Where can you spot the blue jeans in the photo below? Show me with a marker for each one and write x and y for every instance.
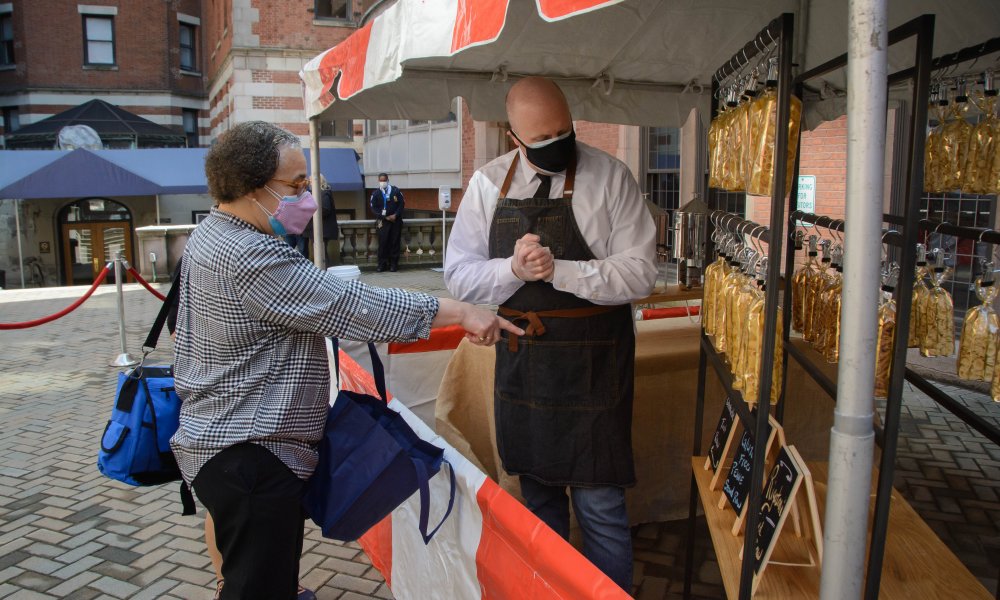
(600, 511)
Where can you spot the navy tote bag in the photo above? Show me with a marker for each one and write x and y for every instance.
(370, 462)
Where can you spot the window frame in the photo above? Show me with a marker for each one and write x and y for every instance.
(11, 59)
(348, 13)
(193, 67)
(9, 114)
(86, 41)
(196, 134)
(348, 136)
(649, 172)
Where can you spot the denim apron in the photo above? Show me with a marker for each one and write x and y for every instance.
(563, 392)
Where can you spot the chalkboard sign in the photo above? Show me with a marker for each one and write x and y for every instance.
(723, 431)
(776, 502)
(737, 485)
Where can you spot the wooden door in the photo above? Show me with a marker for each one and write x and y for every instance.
(87, 247)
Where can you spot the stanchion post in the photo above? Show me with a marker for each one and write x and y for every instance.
(123, 359)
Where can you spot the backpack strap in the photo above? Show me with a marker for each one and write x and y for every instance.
(161, 317)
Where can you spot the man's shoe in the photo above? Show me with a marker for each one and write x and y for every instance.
(394, 269)
(380, 269)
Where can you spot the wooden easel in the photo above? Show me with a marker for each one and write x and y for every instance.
(725, 453)
(816, 531)
(776, 429)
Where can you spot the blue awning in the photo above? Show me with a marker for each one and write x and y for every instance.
(142, 172)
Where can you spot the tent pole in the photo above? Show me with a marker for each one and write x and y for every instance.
(157, 209)
(852, 437)
(319, 244)
(17, 226)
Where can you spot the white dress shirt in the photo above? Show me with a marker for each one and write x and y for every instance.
(609, 211)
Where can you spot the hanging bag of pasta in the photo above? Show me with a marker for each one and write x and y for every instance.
(956, 135)
(939, 323)
(814, 285)
(933, 151)
(977, 346)
(713, 277)
(886, 332)
(983, 142)
(735, 180)
(765, 110)
(729, 285)
(799, 287)
(828, 343)
(737, 330)
(920, 294)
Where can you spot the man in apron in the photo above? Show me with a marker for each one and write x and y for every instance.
(556, 234)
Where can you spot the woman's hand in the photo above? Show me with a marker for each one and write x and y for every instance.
(482, 327)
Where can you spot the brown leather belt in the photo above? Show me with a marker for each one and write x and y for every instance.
(534, 322)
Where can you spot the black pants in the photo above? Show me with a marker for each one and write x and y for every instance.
(389, 238)
(256, 503)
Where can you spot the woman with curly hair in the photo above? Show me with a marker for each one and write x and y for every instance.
(250, 360)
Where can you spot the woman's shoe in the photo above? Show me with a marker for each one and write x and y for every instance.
(305, 594)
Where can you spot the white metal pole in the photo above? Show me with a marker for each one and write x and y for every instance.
(17, 226)
(319, 244)
(444, 235)
(157, 209)
(123, 359)
(852, 437)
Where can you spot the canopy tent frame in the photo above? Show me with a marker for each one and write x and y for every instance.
(864, 160)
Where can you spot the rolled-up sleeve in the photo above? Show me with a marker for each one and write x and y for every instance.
(470, 274)
(625, 270)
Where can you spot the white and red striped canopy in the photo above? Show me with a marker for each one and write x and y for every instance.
(644, 62)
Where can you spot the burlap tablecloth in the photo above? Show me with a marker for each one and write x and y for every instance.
(666, 380)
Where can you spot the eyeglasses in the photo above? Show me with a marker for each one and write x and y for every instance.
(298, 184)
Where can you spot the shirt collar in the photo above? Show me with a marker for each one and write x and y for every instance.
(231, 218)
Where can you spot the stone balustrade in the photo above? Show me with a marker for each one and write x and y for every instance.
(421, 242)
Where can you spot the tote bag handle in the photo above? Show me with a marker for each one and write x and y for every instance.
(378, 371)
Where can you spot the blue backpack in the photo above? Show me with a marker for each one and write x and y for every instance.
(135, 445)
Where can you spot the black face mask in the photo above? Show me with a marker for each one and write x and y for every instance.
(552, 155)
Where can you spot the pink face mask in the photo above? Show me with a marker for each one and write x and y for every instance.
(293, 212)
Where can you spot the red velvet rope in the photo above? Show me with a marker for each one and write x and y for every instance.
(26, 324)
(145, 284)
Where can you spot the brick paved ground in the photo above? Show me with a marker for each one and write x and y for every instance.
(68, 532)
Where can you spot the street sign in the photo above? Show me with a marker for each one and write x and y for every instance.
(444, 197)
(807, 193)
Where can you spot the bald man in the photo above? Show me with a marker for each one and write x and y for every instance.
(556, 234)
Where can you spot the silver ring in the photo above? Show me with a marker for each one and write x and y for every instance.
(482, 339)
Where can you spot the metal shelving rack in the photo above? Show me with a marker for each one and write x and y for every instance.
(780, 31)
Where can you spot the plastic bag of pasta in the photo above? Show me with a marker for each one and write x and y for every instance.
(728, 287)
(736, 342)
(814, 285)
(977, 346)
(765, 111)
(714, 147)
(735, 176)
(886, 332)
(956, 134)
(754, 353)
(982, 149)
(920, 294)
(828, 340)
(713, 277)
(938, 315)
(799, 279)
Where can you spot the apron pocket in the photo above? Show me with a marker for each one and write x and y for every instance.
(559, 375)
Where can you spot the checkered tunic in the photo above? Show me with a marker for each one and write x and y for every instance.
(250, 360)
